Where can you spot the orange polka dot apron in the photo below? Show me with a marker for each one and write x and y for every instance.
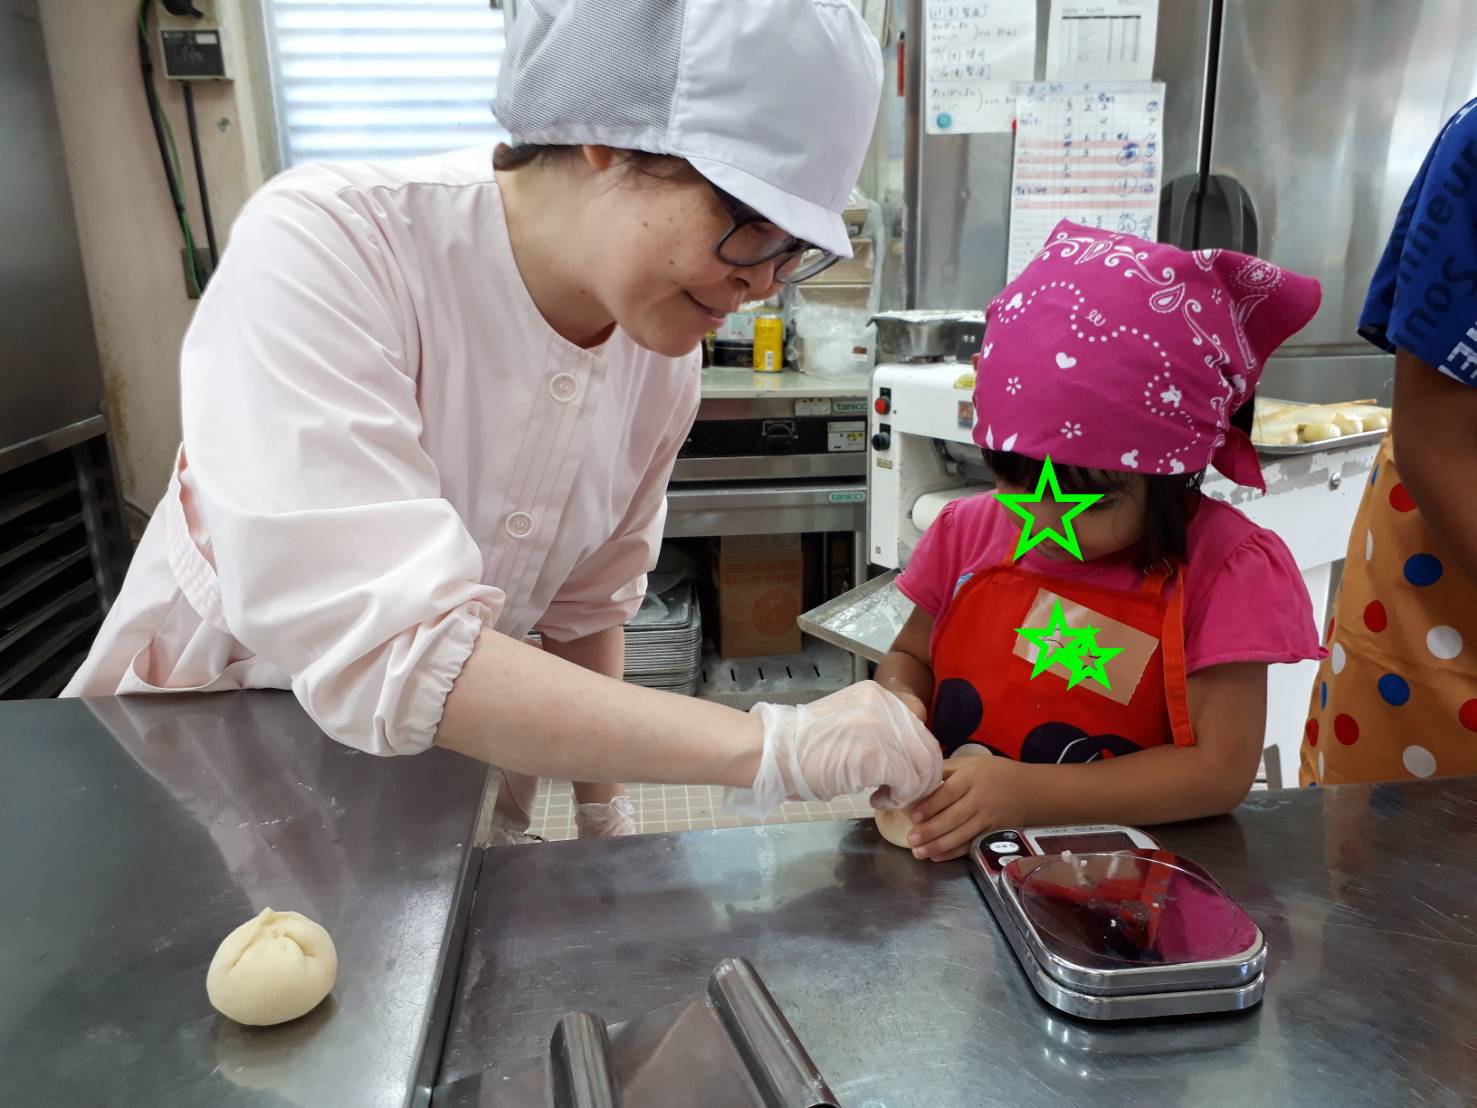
(984, 692)
(1397, 696)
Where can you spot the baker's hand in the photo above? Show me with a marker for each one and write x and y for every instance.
(857, 739)
(978, 795)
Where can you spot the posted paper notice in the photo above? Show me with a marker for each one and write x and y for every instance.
(974, 53)
(1104, 40)
(1085, 152)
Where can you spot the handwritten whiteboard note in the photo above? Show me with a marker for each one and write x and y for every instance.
(1085, 152)
(1101, 40)
(975, 52)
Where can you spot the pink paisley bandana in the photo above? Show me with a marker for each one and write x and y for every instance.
(1117, 353)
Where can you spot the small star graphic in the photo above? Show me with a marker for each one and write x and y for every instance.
(1099, 656)
(1052, 641)
(1065, 538)
(1076, 650)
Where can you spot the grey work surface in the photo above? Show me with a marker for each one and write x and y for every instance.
(135, 833)
(904, 992)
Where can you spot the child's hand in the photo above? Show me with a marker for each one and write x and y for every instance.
(977, 796)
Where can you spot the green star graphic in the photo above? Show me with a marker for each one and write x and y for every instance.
(1065, 538)
(1078, 652)
(1099, 655)
(1047, 651)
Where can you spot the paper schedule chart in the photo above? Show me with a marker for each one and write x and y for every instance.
(1101, 40)
(1085, 152)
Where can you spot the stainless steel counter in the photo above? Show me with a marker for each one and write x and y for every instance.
(904, 992)
(135, 834)
(736, 383)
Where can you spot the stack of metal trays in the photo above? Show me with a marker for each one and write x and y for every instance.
(664, 641)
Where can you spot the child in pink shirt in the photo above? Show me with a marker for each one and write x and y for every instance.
(1115, 610)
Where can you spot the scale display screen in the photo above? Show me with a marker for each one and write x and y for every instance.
(1100, 841)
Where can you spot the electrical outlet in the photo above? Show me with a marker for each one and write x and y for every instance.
(191, 42)
(193, 55)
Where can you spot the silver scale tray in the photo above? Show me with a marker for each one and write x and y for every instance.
(1128, 934)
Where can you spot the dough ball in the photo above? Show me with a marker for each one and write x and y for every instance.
(272, 969)
(1318, 432)
(895, 826)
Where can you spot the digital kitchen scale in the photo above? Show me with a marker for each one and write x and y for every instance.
(1109, 925)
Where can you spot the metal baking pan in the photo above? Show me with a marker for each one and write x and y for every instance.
(1340, 443)
(923, 333)
(1343, 442)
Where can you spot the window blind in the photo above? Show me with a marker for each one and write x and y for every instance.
(371, 79)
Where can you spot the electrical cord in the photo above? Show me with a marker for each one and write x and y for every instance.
(168, 154)
(189, 91)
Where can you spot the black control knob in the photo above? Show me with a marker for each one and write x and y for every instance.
(881, 440)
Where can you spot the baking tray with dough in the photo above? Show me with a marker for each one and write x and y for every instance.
(1288, 427)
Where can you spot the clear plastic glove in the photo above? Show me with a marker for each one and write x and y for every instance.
(605, 821)
(857, 739)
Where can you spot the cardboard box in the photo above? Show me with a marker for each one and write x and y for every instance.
(761, 586)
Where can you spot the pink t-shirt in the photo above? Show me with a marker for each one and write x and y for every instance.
(1244, 601)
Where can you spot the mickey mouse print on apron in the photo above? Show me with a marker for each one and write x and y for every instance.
(984, 691)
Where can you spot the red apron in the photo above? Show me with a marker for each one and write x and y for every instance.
(984, 692)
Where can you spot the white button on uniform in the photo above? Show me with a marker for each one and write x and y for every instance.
(564, 387)
(520, 524)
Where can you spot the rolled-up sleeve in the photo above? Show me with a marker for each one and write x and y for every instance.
(606, 588)
(338, 558)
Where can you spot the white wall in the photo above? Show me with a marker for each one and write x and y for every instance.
(130, 239)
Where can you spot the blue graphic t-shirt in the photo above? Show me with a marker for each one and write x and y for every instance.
(1423, 297)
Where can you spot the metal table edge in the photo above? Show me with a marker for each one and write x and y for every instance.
(437, 1026)
(20, 453)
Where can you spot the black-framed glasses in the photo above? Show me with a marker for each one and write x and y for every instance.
(753, 240)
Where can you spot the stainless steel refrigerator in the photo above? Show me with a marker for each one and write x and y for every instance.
(63, 546)
(1291, 130)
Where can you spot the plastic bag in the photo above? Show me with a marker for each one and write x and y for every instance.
(835, 342)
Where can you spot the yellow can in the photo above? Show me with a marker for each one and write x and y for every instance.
(769, 344)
